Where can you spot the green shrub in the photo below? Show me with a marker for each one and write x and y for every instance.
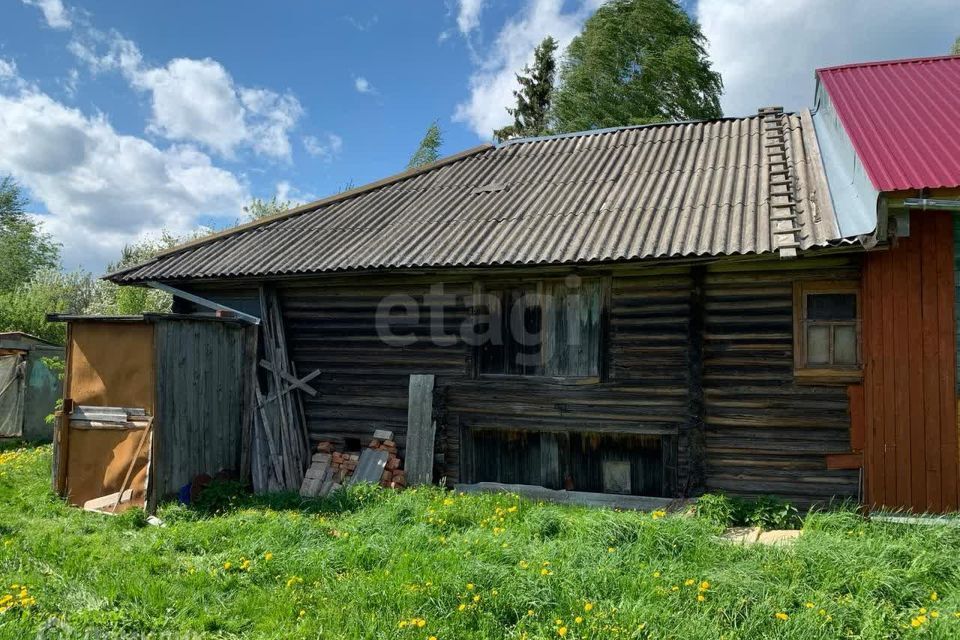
(766, 512)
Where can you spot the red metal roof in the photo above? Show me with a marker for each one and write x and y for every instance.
(903, 117)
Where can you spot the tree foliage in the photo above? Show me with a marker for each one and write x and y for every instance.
(955, 49)
(261, 208)
(24, 248)
(636, 62)
(25, 308)
(429, 149)
(532, 113)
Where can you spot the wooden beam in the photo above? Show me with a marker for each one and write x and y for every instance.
(421, 430)
(297, 383)
(608, 500)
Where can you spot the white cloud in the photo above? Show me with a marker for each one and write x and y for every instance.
(493, 82)
(767, 50)
(325, 147)
(103, 189)
(8, 69)
(468, 15)
(53, 12)
(363, 85)
(198, 100)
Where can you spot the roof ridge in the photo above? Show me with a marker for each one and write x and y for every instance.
(889, 63)
(629, 127)
(308, 207)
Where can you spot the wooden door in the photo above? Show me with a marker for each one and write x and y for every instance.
(909, 347)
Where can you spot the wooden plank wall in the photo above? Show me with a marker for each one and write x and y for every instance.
(766, 433)
(197, 429)
(909, 374)
(744, 429)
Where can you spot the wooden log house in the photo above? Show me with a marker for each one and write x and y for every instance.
(658, 310)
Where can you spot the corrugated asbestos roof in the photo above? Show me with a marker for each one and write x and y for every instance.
(903, 118)
(685, 189)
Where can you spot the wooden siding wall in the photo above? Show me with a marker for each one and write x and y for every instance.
(909, 375)
(701, 356)
(765, 433)
(200, 373)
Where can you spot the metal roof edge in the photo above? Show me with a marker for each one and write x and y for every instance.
(307, 208)
(885, 63)
(850, 189)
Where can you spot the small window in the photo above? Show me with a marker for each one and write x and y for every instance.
(543, 328)
(827, 329)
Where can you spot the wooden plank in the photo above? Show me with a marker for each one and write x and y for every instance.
(931, 362)
(420, 430)
(298, 383)
(532, 492)
(911, 298)
(943, 234)
(855, 399)
(109, 500)
(900, 392)
(844, 461)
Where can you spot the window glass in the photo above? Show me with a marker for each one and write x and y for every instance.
(845, 344)
(831, 306)
(818, 345)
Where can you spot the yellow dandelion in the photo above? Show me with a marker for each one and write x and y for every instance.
(531, 613)
(562, 631)
(476, 598)
(809, 605)
(302, 613)
(934, 614)
(402, 624)
(780, 615)
(421, 623)
(461, 607)
(688, 582)
(432, 638)
(268, 556)
(704, 585)
(524, 564)
(227, 565)
(656, 574)
(934, 596)
(701, 597)
(588, 606)
(471, 586)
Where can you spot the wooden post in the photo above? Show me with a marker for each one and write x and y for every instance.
(421, 431)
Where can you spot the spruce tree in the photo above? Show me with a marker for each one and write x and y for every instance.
(532, 113)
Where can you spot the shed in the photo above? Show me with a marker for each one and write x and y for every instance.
(150, 403)
(28, 387)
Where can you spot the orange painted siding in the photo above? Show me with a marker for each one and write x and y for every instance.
(909, 347)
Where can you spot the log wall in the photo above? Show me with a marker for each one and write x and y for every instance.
(701, 356)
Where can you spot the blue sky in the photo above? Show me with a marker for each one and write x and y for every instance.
(123, 119)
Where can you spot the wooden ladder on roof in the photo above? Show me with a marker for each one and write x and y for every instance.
(786, 228)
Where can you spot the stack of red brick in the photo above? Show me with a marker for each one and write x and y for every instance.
(393, 474)
(332, 469)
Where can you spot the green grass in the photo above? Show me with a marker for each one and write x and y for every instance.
(367, 563)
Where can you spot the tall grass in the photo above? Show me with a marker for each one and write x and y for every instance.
(428, 563)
